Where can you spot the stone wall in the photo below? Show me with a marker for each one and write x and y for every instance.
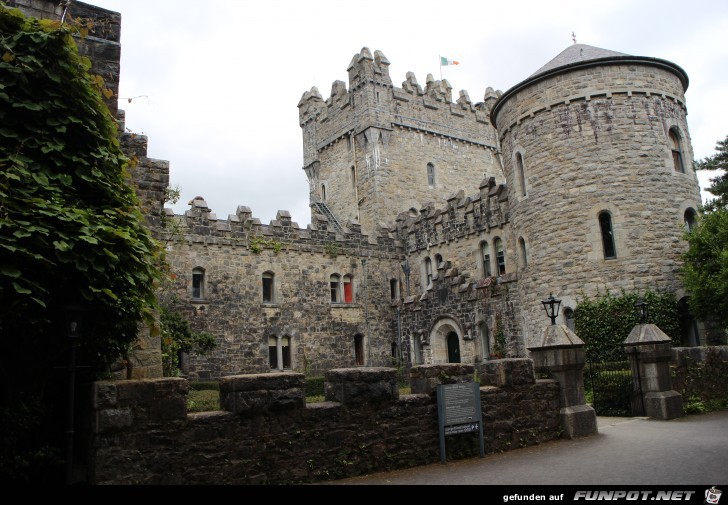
(699, 374)
(235, 253)
(142, 433)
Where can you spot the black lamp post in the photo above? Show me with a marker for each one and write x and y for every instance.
(551, 306)
(74, 320)
(642, 311)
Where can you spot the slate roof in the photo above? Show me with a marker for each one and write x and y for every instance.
(574, 54)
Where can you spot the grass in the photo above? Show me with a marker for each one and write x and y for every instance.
(205, 396)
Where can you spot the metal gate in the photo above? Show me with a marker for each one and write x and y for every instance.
(609, 385)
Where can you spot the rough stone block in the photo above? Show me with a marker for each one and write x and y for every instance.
(258, 393)
(664, 405)
(578, 421)
(351, 386)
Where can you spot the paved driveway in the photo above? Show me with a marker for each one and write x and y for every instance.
(691, 450)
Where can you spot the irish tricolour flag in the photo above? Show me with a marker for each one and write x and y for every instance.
(447, 61)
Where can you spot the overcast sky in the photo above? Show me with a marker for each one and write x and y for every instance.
(215, 85)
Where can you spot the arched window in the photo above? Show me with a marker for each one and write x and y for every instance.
(500, 255)
(335, 283)
(569, 318)
(431, 175)
(691, 219)
(677, 157)
(348, 289)
(323, 193)
(268, 293)
(198, 284)
(485, 255)
(428, 271)
(524, 257)
(605, 223)
(521, 173)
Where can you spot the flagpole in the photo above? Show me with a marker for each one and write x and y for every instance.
(440, 57)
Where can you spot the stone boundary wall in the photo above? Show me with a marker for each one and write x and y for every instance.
(699, 373)
(142, 433)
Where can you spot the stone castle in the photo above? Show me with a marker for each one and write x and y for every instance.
(439, 226)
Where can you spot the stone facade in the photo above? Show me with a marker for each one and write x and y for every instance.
(442, 224)
(457, 274)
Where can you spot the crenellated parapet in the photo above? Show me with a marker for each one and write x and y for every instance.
(461, 217)
(430, 110)
(200, 224)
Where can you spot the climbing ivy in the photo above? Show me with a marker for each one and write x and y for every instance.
(258, 243)
(605, 321)
(70, 226)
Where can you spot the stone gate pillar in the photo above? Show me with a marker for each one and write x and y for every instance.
(650, 350)
(562, 353)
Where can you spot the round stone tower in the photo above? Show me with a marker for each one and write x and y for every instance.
(599, 166)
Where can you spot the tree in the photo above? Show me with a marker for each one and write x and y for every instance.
(70, 227)
(705, 266)
(719, 183)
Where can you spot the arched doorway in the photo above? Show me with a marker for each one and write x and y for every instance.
(453, 348)
(445, 341)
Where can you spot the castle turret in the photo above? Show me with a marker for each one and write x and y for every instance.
(376, 150)
(598, 161)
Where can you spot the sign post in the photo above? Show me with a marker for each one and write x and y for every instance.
(459, 412)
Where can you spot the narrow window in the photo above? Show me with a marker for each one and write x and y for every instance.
(524, 258)
(335, 298)
(286, 352)
(198, 284)
(690, 219)
(348, 289)
(605, 223)
(485, 254)
(569, 318)
(359, 350)
(273, 352)
(353, 177)
(521, 173)
(438, 261)
(428, 271)
(500, 256)
(394, 289)
(377, 96)
(677, 157)
(484, 340)
(323, 193)
(431, 175)
(268, 278)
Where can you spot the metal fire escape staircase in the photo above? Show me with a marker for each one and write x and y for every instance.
(322, 208)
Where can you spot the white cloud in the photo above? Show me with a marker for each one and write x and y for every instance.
(223, 77)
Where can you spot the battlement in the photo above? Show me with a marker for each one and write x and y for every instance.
(372, 100)
(462, 216)
(200, 224)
